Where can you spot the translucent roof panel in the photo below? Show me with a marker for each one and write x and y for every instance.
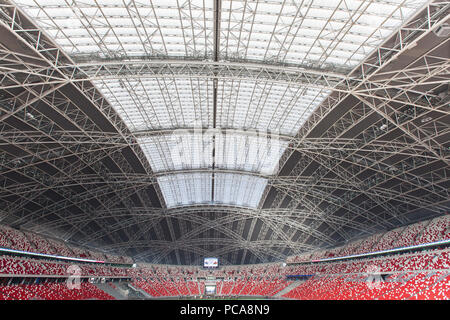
(238, 189)
(269, 106)
(163, 103)
(249, 153)
(318, 32)
(195, 188)
(127, 28)
(186, 189)
(257, 153)
(177, 151)
(157, 103)
(323, 34)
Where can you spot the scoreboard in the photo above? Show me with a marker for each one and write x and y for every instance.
(211, 262)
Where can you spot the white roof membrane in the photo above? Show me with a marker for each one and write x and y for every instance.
(324, 34)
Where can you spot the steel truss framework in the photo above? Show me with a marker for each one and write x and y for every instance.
(373, 155)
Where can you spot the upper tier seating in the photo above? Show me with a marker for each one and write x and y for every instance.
(437, 229)
(25, 266)
(16, 239)
(31, 242)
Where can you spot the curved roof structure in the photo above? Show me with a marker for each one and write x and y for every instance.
(248, 130)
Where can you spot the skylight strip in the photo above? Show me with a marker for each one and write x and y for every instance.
(186, 189)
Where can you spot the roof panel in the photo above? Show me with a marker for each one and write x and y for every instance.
(177, 151)
(195, 188)
(157, 103)
(233, 151)
(259, 154)
(238, 189)
(114, 27)
(324, 34)
(266, 106)
(275, 30)
(186, 189)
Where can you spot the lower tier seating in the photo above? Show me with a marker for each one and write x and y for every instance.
(169, 288)
(52, 291)
(424, 275)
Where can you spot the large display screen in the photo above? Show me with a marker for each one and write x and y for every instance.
(211, 262)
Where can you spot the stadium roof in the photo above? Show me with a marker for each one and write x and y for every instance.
(248, 130)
